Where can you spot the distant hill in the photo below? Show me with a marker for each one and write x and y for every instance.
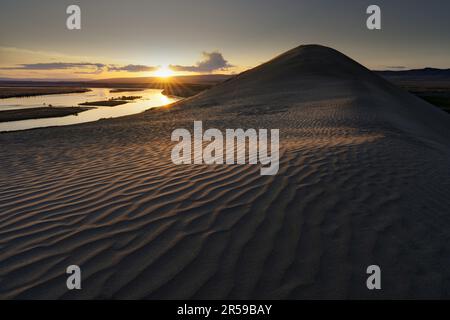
(424, 72)
(417, 75)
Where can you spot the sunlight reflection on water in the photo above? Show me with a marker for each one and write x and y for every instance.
(150, 98)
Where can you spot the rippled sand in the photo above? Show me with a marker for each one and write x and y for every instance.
(364, 179)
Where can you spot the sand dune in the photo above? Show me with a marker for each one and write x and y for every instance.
(364, 179)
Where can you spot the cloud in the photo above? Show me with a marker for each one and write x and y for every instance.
(396, 67)
(212, 61)
(133, 68)
(57, 66)
(93, 68)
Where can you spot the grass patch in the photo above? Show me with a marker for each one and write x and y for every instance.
(442, 102)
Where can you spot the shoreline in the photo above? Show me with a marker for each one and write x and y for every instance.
(55, 112)
(25, 92)
(39, 113)
(183, 90)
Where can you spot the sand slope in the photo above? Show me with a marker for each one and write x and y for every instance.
(364, 179)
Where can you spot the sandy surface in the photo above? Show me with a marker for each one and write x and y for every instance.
(364, 179)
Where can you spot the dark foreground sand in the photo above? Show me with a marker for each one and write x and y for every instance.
(364, 179)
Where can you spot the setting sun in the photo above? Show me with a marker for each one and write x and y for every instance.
(164, 72)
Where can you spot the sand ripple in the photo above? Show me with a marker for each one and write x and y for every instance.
(356, 186)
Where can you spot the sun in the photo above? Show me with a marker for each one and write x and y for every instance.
(164, 72)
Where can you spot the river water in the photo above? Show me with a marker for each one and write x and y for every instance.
(150, 98)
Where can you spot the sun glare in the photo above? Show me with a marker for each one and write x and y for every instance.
(164, 72)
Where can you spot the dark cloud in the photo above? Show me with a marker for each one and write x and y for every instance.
(212, 61)
(57, 66)
(133, 68)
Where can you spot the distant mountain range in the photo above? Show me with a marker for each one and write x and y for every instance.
(432, 74)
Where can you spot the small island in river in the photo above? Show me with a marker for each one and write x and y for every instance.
(111, 102)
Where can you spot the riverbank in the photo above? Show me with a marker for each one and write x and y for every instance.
(19, 92)
(39, 113)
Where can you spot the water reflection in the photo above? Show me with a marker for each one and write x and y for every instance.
(150, 98)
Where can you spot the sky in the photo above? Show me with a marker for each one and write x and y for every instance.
(136, 38)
